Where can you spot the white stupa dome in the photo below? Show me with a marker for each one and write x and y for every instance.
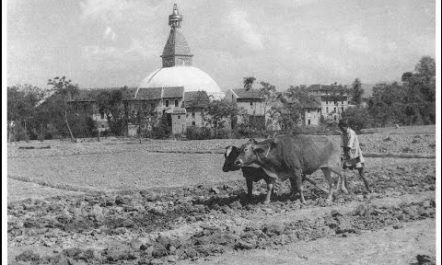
(189, 77)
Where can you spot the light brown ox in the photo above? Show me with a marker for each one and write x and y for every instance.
(293, 156)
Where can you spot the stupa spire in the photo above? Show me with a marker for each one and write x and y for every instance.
(175, 18)
(176, 51)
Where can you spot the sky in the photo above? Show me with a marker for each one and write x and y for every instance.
(112, 43)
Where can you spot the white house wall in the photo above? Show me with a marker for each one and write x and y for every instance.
(313, 115)
(252, 108)
(197, 118)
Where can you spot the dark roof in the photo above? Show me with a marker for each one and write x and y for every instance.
(312, 103)
(149, 93)
(176, 45)
(318, 87)
(196, 99)
(334, 98)
(88, 94)
(248, 94)
(128, 93)
(173, 92)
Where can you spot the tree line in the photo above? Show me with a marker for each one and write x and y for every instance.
(36, 113)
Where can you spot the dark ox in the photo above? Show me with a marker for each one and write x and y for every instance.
(293, 156)
(251, 174)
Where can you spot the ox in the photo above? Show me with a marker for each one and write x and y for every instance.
(252, 173)
(292, 157)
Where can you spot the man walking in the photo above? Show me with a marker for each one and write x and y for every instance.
(352, 158)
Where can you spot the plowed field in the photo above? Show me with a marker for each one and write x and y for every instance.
(142, 206)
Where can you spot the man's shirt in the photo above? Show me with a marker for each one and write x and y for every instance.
(350, 140)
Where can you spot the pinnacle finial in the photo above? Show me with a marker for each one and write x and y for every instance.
(175, 18)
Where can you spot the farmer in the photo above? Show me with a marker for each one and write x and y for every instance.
(352, 157)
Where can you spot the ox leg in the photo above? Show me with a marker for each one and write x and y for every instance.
(270, 185)
(249, 183)
(297, 175)
(293, 186)
(331, 189)
(362, 175)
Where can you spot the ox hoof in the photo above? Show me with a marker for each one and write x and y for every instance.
(329, 200)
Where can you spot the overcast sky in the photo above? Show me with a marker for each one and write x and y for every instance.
(102, 43)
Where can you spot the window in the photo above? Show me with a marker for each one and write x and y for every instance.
(326, 102)
(176, 102)
(342, 108)
(193, 123)
(193, 115)
(167, 103)
(308, 121)
(326, 109)
(102, 125)
(179, 117)
(251, 104)
(334, 109)
(152, 106)
(102, 115)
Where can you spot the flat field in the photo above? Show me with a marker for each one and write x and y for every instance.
(119, 201)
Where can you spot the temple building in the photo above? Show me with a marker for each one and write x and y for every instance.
(177, 91)
(177, 69)
(180, 80)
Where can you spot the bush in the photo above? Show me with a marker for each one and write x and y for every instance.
(223, 134)
(243, 131)
(358, 118)
(162, 130)
(196, 133)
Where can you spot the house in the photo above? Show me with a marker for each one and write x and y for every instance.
(334, 99)
(311, 112)
(252, 104)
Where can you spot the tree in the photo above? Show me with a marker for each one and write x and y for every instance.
(248, 82)
(358, 118)
(294, 101)
(421, 91)
(268, 91)
(386, 104)
(143, 115)
(111, 104)
(218, 111)
(426, 68)
(21, 102)
(66, 89)
(356, 92)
